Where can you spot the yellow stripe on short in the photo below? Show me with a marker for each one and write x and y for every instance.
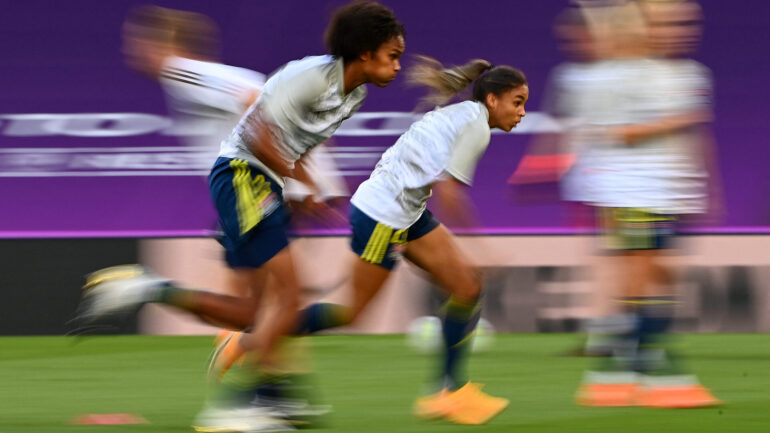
(244, 197)
(377, 244)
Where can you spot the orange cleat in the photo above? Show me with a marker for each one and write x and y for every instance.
(468, 405)
(676, 396)
(433, 406)
(227, 352)
(607, 394)
(474, 407)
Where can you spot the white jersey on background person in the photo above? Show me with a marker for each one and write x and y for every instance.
(305, 100)
(207, 99)
(663, 174)
(570, 96)
(446, 141)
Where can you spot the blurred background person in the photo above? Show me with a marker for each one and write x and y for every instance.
(180, 50)
(572, 99)
(645, 173)
(550, 156)
(206, 99)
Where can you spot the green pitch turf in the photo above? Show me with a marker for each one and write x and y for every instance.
(371, 382)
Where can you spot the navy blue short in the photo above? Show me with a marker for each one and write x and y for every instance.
(383, 245)
(637, 229)
(251, 212)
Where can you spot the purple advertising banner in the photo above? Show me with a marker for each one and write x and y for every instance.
(87, 148)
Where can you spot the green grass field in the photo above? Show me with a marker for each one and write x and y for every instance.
(371, 382)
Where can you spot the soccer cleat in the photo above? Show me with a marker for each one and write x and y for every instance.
(297, 412)
(433, 406)
(238, 420)
(117, 290)
(474, 407)
(290, 399)
(676, 396)
(607, 394)
(227, 352)
(468, 405)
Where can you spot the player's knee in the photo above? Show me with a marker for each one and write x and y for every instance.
(470, 289)
(471, 294)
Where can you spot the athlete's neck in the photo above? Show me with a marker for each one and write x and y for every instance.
(352, 76)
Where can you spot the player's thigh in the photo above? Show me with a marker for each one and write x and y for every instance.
(368, 278)
(646, 273)
(246, 281)
(283, 282)
(438, 253)
(377, 248)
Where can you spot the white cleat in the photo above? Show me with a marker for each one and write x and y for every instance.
(238, 420)
(292, 408)
(118, 290)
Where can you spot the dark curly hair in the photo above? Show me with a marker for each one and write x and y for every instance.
(361, 27)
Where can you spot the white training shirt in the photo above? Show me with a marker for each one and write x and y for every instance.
(206, 99)
(447, 140)
(307, 103)
(664, 174)
(571, 96)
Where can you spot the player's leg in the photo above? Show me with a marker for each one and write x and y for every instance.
(646, 298)
(249, 205)
(377, 248)
(285, 389)
(286, 292)
(245, 283)
(118, 290)
(251, 364)
(432, 247)
(367, 280)
(234, 311)
(259, 346)
(254, 222)
(664, 381)
(437, 254)
(613, 381)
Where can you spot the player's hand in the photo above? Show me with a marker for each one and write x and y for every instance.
(322, 211)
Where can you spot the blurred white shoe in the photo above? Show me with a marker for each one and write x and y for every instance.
(296, 411)
(241, 420)
(118, 290)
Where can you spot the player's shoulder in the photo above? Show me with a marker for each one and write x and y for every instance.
(209, 74)
(318, 67)
(471, 117)
(314, 75)
(470, 110)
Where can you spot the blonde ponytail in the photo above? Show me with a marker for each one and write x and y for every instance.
(445, 83)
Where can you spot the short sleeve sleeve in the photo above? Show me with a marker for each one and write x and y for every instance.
(468, 148)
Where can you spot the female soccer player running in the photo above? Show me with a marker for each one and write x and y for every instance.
(648, 175)
(299, 107)
(389, 219)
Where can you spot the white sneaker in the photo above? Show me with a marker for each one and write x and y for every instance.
(117, 290)
(240, 420)
(292, 408)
